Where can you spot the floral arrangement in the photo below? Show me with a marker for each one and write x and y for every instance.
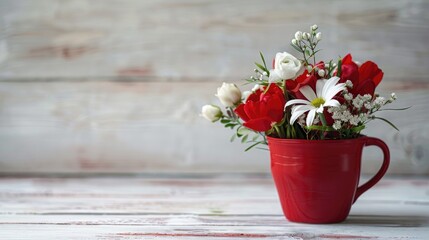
(302, 98)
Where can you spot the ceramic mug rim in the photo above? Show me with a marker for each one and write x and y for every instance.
(306, 141)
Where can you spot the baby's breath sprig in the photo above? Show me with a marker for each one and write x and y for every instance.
(306, 43)
(261, 73)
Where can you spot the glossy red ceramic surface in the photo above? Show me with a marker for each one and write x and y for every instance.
(317, 180)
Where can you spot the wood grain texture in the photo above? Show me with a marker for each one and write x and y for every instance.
(117, 86)
(202, 38)
(226, 207)
(110, 126)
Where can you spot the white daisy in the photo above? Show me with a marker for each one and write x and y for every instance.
(325, 91)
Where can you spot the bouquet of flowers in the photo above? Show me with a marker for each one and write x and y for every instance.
(302, 98)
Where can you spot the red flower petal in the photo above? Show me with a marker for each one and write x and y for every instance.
(259, 124)
(366, 87)
(241, 113)
(370, 70)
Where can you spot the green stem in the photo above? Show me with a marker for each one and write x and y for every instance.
(322, 118)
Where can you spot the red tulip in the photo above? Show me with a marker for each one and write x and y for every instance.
(262, 109)
(364, 78)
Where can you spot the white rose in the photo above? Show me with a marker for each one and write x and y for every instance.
(286, 66)
(229, 94)
(211, 113)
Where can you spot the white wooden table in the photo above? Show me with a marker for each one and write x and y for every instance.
(195, 207)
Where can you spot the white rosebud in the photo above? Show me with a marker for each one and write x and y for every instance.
(286, 66)
(229, 94)
(294, 42)
(321, 72)
(211, 113)
(319, 36)
(309, 68)
(314, 27)
(393, 96)
(265, 73)
(298, 36)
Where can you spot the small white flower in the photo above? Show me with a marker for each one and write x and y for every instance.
(256, 87)
(316, 102)
(349, 84)
(354, 120)
(286, 66)
(393, 96)
(319, 36)
(337, 125)
(298, 36)
(348, 96)
(380, 101)
(321, 72)
(314, 27)
(229, 94)
(265, 73)
(367, 105)
(211, 112)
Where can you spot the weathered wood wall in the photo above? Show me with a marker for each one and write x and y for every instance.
(117, 85)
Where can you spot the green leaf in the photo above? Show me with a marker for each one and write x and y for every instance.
(388, 122)
(230, 125)
(255, 137)
(398, 109)
(232, 138)
(358, 129)
(339, 68)
(261, 67)
(320, 128)
(251, 146)
(296, 48)
(263, 60)
(243, 140)
(243, 131)
(225, 121)
(314, 53)
(307, 52)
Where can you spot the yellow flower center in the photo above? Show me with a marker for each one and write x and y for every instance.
(317, 102)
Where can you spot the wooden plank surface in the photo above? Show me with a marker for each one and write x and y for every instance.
(196, 207)
(139, 126)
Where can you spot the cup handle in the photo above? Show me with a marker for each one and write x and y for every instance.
(370, 141)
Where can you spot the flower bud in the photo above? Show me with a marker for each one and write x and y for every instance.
(309, 68)
(314, 27)
(321, 72)
(319, 36)
(294, 42)
(211, 113)
(298, 36)
(229, 94)
(306, 35)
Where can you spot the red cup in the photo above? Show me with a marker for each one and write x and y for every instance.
(317, 180)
